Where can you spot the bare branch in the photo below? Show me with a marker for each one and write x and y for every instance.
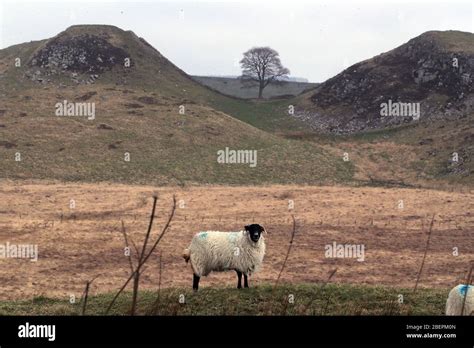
(424, 255)
(85, 294)
(155, 198)
(124, 232)
(145, 258)
(290, 245)
(154, 306)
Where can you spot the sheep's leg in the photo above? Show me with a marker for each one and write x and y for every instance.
(239, 277)
(246, 282)
(195, 282)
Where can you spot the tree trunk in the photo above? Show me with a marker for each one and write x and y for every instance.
(260, 90)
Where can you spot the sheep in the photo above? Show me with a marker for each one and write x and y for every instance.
(454, 304)
(221, 251)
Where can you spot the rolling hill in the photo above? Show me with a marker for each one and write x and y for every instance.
(148, 111)
(138, 112)
(435, 69)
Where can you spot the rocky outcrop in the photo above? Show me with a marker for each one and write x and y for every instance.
(82, 54)
(424, 70)
(81, 57)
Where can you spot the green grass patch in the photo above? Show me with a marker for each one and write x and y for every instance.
(286, 299)
(271, 115)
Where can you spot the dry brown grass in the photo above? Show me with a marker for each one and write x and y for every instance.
(76, 249)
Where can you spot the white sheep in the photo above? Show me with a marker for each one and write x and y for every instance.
(221, 251)
(454, 304)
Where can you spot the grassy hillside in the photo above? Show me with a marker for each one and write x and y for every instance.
(417, 154)
(333, 299)
(165, 147)
(271, 116)
(432, 146)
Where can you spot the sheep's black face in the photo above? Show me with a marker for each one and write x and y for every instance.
(254, 230)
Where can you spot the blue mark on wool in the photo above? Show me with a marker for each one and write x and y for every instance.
(203, 235)
(463, 289)
(232, 236)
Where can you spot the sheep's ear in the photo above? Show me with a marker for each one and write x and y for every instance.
(263, 230)
(247, 228)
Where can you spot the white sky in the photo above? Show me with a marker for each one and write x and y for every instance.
(315, 39)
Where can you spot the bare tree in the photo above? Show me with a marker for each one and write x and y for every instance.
(262, 64)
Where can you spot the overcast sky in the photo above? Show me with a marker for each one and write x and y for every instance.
(315, 39)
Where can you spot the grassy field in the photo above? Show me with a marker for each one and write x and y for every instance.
(285, 299)
(249, 90)
(76, 244)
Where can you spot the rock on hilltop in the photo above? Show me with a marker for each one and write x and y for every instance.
(435, 69)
